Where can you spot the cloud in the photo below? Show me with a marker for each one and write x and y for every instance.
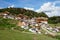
(11, 6)
(50, 9)
(28, 8)
(45, 6)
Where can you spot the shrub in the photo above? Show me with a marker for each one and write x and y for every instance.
(6, 23)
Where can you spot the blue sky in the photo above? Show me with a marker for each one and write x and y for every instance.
(34, 4)
(24, 3)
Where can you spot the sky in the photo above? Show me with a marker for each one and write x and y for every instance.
(50, 7)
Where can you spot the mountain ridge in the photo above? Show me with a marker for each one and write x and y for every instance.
(30, 13)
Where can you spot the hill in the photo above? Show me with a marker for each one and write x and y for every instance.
(54, 19)
(30, 13)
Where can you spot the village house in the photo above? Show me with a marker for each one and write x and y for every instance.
(42, 20)
(5, 14)
(23, 21)
(10, 16)
(35, 22)
(19, 17)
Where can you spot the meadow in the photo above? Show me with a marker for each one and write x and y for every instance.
(17, 35)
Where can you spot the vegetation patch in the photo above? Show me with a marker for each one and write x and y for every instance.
(7, 23)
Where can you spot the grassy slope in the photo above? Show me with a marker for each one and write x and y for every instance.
(16, 35)
(55, 25)
(7, 23)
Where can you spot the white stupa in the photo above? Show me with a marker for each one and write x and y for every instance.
(11, 6)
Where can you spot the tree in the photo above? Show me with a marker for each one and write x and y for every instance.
(54, 19)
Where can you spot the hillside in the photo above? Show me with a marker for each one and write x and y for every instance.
(30, 13)
(7, 23)
(54, 20)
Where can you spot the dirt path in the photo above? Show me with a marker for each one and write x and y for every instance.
(50, 33)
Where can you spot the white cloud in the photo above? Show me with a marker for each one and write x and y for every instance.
(44, 7)
(50, 9)
(28, 8)
(11, 6)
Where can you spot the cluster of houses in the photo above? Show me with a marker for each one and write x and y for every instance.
(32, 24)
(6, 14)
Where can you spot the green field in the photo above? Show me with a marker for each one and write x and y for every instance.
(55, 25)
(17, 35)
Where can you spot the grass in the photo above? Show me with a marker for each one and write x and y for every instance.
(55, 25)
(17, 35)
(7, 23)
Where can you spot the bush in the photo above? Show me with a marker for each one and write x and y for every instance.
(6, 23)
(18, 28)
(58, 37)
